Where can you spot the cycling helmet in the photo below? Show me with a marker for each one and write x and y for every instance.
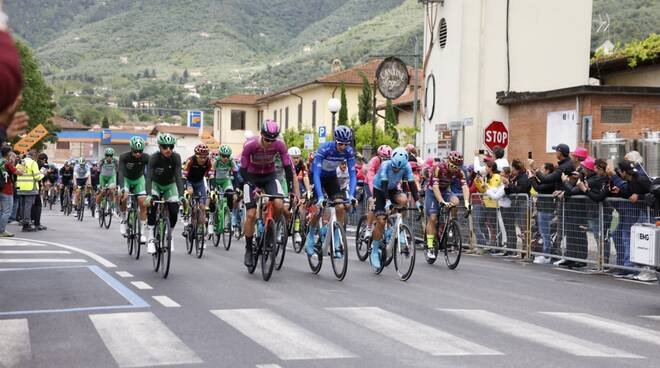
(399, 158)
(455, 158)
(202, 150)
(136, 144)
(410, 148)
(294, 152)
(94, 163)
(52, 166)
(165, 139)
(248, 135)
(385, 151)
(109, 151)
(82, 161)
(270, 129)
(343, 134)
(225, 150)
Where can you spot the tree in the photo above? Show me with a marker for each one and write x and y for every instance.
(69, 113)
(364, 101)
(153, 73)
(105, 124)
(363, 137)
(295, 138)
(175, 77)
(391, 121)
(185, 75)
(343, 112)
(37, 96)
(146, 73)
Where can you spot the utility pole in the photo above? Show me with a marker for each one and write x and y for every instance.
(416, 86)
(373, 117)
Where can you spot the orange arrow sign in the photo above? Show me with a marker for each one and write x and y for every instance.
(30, 139)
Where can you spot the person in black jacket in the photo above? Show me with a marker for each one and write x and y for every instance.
(596, 187)
(545, 210)
(517, 188)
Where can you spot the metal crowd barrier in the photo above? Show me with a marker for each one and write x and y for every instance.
(501, 225)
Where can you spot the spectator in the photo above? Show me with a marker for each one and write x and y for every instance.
(501, 162)
(477, 207)
(26, 185)
(517, 187)
(595, 186)
(342, 176)
(35, 214)
(7, 170)
(492, 181)
(545, 206)
(579, 155)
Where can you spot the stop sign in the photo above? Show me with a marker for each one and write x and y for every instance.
(496, 134)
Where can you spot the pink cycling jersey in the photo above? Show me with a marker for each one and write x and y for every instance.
(373, 166)
(261, 160)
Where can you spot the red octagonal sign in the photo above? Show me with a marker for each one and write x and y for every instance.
(496, 134)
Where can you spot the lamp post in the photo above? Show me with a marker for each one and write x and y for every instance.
(334, 105)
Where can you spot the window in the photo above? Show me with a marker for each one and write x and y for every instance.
(442, 33)
(286, 118)
(275, 115)
(281, 118)
(616, 114)
(299, 116)
(314, 115)
(237, 120)
(260, 118)
(62, 145)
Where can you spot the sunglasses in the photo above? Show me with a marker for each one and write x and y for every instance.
(452, 166)
(108, 156)
(342, 144)
(224, 156)
(269, 140)
(167, 146)
(137, 152)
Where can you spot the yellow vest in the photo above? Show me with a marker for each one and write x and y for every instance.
(27, 183)
(494, 182)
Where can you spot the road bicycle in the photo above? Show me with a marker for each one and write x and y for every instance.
(334, 245)
(362, 241)
(91, 202)
(49, 196)
(266, 245)
(448, 239)
(80, 205)
(298, 226)
(220, 219)
(162, 258)
(66, 202)
(133, 226)
(195, 231)
(106, 208)
(239, 215)
(398, 244)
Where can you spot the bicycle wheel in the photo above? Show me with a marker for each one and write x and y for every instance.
(100, 212)
(281, 237)
(200, 235)
(404, 253)
(339, 250)
(241, 221)
(155, 258)
(137, 232)
(226, 228)
(269, 251)
(362, 242)
(166, 249)
(189, 235)
(92, 206)
(108, 213)
(129, 232)
(298, 245)
(81, 211)
(453, 245)
(316, 259)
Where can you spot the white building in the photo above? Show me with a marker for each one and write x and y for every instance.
(481, 47)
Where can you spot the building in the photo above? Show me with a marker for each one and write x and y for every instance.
(479, 48)
(186, 139)
(626, 101)
(89, 143)
(303, 106)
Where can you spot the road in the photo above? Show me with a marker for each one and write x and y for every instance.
(72, 297)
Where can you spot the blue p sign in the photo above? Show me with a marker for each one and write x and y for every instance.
(322, 132)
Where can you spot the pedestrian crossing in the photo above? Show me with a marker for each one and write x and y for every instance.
(142, 339)
(16, 252)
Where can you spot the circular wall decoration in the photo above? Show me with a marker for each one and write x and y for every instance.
(393, 78)
(429, 97)
(442, 33)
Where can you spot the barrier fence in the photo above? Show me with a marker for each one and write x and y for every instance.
(572, 228)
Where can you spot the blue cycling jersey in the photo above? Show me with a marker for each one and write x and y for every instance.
(386, 173)
(326, 161)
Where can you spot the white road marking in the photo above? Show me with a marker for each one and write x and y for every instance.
(412, 333)
(614, 327)
(166, 301)
(21, 244)
(539, 335)
(34, 252)
(268, 366)
(42, 260)
(657, 318)
(124, 274)
(141, 340)
(104, 262)
(141, 285)
(283, 338)
(15, 350)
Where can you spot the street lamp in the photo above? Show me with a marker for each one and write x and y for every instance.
(334, 105)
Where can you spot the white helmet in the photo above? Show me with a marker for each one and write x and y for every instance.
(248, 135)
(295, 152)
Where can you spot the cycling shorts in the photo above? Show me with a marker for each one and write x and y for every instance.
(267, 183)
(382, 197)
(135, 186)
(431, 205)
(199, 189)
(107, 181)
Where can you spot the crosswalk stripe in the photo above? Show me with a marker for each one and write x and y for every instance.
(22, 244)
(614, 327)
(42, 260)
(412, 333)
(15, 350)
(657, 318)
(280, 336)
(34, 252)
(124, 274)
(268, 366)
(166, 301)
(538, 334)
(141, 339)
(141, 285)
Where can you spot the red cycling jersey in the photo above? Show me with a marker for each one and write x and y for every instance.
(442, 176)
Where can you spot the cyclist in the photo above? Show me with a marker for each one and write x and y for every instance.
(224, 173)
(302, 175)
(384, 152)
(326, 161)
(163, 178)
(195, 170)
(258, 171)
(131, 178)
(50, 178)
(66, 181)
(386, 187)
(438, 192)
(95, 173)
(107, 176)
(81, 174)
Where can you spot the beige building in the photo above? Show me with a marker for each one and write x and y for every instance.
(302, 106)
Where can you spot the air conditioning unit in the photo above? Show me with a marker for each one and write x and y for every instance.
(645, 244)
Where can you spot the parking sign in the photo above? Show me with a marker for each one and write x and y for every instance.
(322, 134)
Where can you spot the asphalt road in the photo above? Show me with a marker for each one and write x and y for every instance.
(72, 297)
